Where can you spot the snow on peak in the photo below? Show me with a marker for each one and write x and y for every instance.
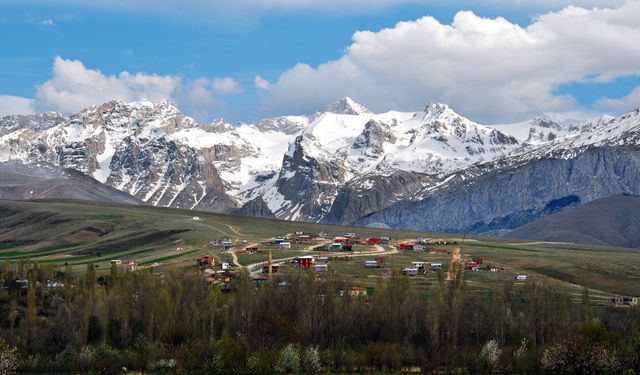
(346, 106)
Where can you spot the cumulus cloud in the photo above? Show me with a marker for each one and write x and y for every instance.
(261, 83)
(624, 104)
(226, 85)
(16, 105)
(73, 86)
(488, 69)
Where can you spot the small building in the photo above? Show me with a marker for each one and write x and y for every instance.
(321, 267)
(380, 261)
(225, 266)
(625, 301)
(54, 284)
(435, 266)
(117, 262)
(478, 260)
(347, 247)
(418, 247)
(285, 245)
(419, 265)
(304, 238)
(339, 240)
(405, 246)
(371, 264)
(274, 269)
(350, 236)
(336, 246)
(358, 291)
(279, 240)
(410, 271)
(252, 250)
(373, 241)
(472, 266)
(305, 261)
(205, 260)
(521, 277)
(227, 245)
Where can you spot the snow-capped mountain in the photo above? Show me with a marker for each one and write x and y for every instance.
(342, 164)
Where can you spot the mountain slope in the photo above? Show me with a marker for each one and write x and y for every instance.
(431, 170)
(613, 220)
(22, 182)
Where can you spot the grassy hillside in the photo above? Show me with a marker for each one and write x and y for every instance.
(613, 220)
(77, 233)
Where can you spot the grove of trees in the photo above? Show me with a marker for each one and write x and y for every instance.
(176, 323)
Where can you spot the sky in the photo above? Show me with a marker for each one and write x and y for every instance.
(494, 61)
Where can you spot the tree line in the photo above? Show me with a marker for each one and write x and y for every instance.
(176, 323)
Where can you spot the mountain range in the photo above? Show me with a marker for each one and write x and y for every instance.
(432, 170)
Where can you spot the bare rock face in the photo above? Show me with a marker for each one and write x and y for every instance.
(509, 197)
(256, 207)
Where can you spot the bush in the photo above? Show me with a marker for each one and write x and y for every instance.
(490, 356)
(8, 358)
(311, 360)
(289, 360)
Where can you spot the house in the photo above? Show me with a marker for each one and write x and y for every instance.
(205, 260)
(405, 246)
(358, 291)
(304, 238)
(321, 267)
(418, 247)
(472, 266)
(274, 269)
(418, 265)
(54, 284)
(339, 240)
(336, 246)
(625, 301)
(323, 234)
(478, 260)
(117, 262)
(305, 261)
(347, 247)
(227, 245)
(279, 240)
(131, 266)
(410, 271)
(380, 261)
(225, 266)
(285, 245)
(259, 280)
(521, 277)
(371, 264)
(252, 250)
(435, 266)
(373, 241)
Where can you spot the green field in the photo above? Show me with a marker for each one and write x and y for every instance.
(77, 233)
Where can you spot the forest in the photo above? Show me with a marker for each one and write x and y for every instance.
(174, 322)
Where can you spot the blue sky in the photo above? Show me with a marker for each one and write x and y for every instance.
(215, 42)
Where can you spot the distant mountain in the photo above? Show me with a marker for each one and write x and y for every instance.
(22, 182)
(428, 170)
(611, 221)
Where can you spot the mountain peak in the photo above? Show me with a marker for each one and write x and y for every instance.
(346, 106)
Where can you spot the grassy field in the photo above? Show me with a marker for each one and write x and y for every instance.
(77, 233)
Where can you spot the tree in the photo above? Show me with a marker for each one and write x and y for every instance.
(289, 360)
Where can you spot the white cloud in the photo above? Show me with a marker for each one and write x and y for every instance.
(226, 85)
(488, 69)
(73, 87)
(15, 105)
(261, 83)
(624, 104)
(47, 22)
